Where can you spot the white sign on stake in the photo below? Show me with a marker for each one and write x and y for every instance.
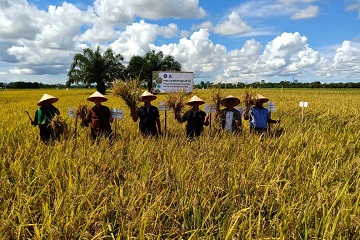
(117, 113)
(71, 113)
(303, 104)
(208, 108)
(163, 106)
(271, 106)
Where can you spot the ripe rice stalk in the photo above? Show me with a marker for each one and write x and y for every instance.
(58, 125)
(176, 101)
(81, 111)
(216, 96)
(249, 97)
(128, 91)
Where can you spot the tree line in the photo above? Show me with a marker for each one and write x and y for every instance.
(95, 69)
(201, 85)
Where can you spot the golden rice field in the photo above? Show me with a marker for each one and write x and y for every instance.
(301, 184)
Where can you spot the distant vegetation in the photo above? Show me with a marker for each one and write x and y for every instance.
(201, 85)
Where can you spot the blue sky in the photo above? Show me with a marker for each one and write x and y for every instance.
(227, 41)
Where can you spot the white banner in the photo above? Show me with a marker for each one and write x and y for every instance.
(172, 81)
(117, 113)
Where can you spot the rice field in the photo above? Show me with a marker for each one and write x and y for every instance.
(300, 182)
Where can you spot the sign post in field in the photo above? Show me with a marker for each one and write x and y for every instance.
(116, 114)
(163, 107)
(303, 105)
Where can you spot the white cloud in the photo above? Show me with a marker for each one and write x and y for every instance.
(123, 12)
(16, 20)
(196, 53)
(290, 2)
(309, 12)
(136, 38)
(355, 6)
(233, 26)
(21, 71)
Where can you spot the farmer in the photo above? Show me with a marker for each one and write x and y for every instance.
(229, 117)
(259, 116)
(149, 124)
(195, 118)
(99, 117)
(44, 116)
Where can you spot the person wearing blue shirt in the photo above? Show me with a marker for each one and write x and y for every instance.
(259, 116)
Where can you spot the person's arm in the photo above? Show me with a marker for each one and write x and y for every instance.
(246, 114)
(274, 121)
(158, 123)
(134, 115)
(34, 122)
(219, 117)
(179, 118)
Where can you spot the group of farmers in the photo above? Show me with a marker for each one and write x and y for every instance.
(99, 117)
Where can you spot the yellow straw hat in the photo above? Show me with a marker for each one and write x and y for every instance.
(261, 98)
(147, 96)
(48, 98)
(97, 95)
(228, 98)
(195, 99)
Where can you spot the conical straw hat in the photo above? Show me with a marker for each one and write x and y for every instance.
(147, 96)
(49, 98)
(261, 98)
(195, 99)
(97, 95)
(225, 100)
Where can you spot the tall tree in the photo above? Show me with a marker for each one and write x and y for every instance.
(93, 67)
(152, 61)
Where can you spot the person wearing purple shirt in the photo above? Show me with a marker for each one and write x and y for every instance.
(259, 116)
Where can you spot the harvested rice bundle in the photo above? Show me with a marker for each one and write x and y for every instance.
(216, 97)
(81, 111)
(176, 101)
(58, 125)
(249, 97)
(128, 91)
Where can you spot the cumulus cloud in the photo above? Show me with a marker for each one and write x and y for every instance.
(124, 12)
(232, 26)
(136, 38)
(197, 53)
(309, 12)
(16, 20)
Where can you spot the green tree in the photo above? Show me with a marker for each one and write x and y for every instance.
(93, 67)
(152, 61)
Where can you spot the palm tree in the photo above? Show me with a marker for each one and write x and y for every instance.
(92, 67)
(152, 61)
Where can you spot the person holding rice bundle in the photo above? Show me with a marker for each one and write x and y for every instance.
(229, 117)
(99, 117)
(149, 115)
(44, 116)
(196, 119)
(259, 116)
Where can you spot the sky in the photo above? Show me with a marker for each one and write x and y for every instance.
(224, 41)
